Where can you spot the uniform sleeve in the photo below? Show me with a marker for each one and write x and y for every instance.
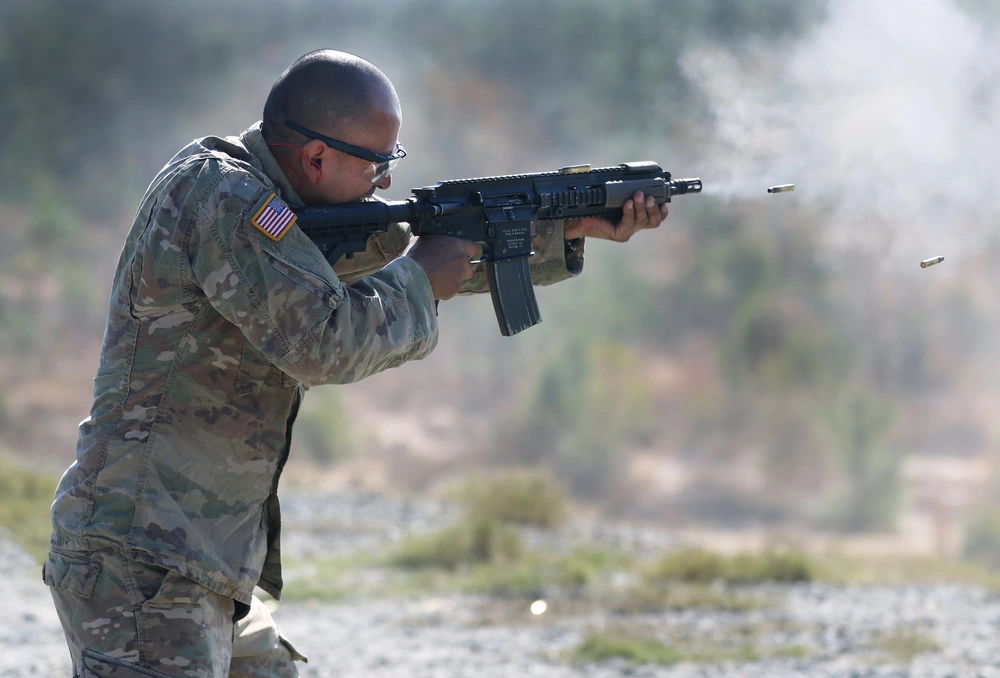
(552, 262)
(380, 249)
(290, 305)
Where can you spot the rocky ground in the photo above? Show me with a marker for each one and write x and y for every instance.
(31, 642)
(933, 631)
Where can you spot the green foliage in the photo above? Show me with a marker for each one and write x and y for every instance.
(518, 495)
(617, 643)
(597, 647)
(689, 565)
(982, 539)
(24, 510)
(587, 402)
(529, 577)
(323, 429)
(592, 576)
(537, 574)
(872, 470)
(335, 578)
(701, 566)
(470, 542)
(776, 345)
(416, 569)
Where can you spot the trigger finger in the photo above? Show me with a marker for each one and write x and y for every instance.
(471, 249)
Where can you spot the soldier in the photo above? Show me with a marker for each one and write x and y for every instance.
(221, 313)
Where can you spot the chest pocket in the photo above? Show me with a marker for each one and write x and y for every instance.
(257, 374)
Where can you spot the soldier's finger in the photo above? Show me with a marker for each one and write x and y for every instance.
(471, 249)
(641, 206)
(624, 229)
(628, 212)
(652, 213)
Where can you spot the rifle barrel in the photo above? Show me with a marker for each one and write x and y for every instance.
(682, 186)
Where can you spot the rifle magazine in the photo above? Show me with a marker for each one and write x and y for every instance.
(513, 295)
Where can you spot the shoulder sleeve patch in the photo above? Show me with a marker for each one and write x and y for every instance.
(274, 218)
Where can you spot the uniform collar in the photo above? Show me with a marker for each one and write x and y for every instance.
(253, 139)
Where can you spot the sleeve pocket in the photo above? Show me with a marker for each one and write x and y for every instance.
(71, 574)
(101, 666)
(297, 258)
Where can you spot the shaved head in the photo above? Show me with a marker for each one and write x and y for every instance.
(327, 91)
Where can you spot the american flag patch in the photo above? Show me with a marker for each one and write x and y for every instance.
(274, 218)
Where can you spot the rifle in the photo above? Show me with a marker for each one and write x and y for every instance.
(496, 211)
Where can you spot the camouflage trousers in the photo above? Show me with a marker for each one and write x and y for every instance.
(125, 619)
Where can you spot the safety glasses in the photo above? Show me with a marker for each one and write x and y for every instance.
(381, 164)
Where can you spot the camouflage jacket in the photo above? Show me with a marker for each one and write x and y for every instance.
(214, 330)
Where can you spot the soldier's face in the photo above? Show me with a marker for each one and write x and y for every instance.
(347, 178)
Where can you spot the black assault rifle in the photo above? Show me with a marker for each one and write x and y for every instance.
(496, 211)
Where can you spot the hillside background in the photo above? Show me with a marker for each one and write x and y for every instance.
(761, 364)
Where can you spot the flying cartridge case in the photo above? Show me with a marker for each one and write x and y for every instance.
(781, 188)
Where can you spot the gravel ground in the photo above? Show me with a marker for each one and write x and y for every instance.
(441, 638)
(31, 640)
(837, 628)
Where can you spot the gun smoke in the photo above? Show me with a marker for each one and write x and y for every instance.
(885, 116)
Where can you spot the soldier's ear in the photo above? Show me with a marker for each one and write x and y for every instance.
(312, 155)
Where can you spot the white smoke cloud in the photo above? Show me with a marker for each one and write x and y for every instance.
(888, 113)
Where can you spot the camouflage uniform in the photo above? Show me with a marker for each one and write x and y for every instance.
(215, 329)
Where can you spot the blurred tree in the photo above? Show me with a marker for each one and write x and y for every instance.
(90, 83)
(324, 432)
(871, 468)
(589, 402)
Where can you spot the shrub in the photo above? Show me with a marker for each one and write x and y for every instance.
(470, 542)
(621, 644)
(701, 566)
(689, 565)
(597, 647)
(520, 495)
(778, 565)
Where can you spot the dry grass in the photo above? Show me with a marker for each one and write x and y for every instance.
(639, 649)
(701, 566)
(906, 644)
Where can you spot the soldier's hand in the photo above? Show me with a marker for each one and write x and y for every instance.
(446, 260)
(637, 214)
